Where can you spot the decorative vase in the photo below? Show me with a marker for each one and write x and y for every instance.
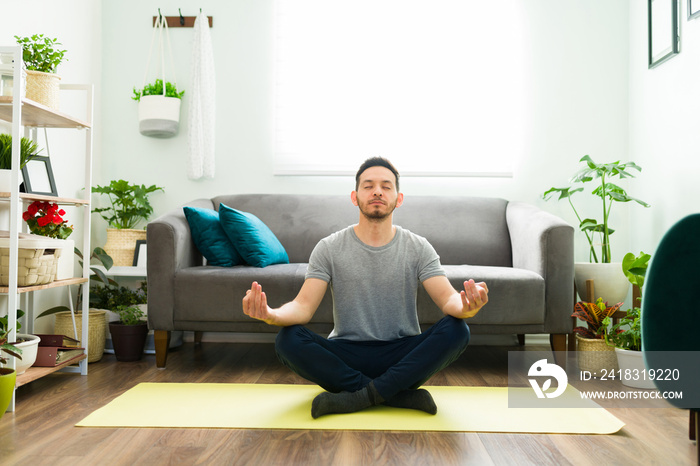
(96, 330)
(121, 244)
(29, 345)
(43, 88)
(610, 282)
(633, 361)
(159, 116)
(594, 355)
(128, 340)
(8, 377)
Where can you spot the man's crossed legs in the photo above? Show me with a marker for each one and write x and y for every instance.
(360, 374)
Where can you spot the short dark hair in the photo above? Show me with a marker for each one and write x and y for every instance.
(376, 162)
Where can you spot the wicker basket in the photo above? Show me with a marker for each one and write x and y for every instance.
(121, 245)
(43, 88)
(594, 354)
(97, 322)
(37, 260)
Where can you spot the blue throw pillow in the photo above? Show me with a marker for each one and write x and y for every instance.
(253, 240)
(210, 238)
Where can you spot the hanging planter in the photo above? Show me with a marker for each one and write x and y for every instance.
(159, 103)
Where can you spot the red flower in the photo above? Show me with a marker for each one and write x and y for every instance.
(33, 209)
(43, 221)
(57, 220)
(26, 216)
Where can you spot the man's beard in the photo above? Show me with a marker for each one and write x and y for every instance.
(374, 215)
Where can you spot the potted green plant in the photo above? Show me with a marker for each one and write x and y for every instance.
(593, 352)
(41, 57)
(8, 376)
(26, 343)
(28, 149)
(626, 335)
(128, 205)
(610, 282)
(159, 109)
(129, 333)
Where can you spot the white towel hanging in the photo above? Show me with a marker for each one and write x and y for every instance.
(202, 110)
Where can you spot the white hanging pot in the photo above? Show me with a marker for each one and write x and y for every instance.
(159, 116)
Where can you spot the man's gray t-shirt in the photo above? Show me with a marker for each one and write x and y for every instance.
(374, 288)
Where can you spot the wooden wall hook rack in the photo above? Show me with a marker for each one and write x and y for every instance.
(188, 21)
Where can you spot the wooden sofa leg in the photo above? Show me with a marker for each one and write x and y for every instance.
(521, 339)
(693, 427)
(198, 337)
(161, 339)
(558, 344)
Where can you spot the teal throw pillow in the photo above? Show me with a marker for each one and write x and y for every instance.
(253, 240)
(210, 238)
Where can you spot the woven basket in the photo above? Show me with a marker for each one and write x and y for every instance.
(43, 88)
(35, 266)
(121, 245)
(594, 354)
(97, 322)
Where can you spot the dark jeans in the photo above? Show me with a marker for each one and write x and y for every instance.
(345, 365)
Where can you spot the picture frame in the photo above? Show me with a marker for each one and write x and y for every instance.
(140, 253)
(664, 35)
(693, 9)
(38, 177)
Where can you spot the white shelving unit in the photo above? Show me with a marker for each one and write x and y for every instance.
(25, 115)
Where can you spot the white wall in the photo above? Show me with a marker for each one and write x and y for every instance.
(664, 136)
(577, 102)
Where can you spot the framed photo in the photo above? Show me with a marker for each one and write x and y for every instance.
(693, 9)
(664, 36)
(140, 253)
(38, 176)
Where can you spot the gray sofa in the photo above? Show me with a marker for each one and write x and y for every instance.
(523, 253)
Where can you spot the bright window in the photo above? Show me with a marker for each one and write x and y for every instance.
(438, 87)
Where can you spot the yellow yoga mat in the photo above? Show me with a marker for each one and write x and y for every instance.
(259, 406)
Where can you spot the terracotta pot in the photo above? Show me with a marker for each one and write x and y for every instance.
(128, 340)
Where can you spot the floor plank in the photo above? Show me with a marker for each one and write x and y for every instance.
(41, 430)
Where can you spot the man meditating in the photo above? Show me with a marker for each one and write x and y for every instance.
(376, 353)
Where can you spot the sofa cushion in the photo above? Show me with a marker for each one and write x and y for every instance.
(253, 240)
(209, 237)
(516, 296)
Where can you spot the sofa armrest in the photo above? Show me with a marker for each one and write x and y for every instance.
(170, 248)
(544, 243)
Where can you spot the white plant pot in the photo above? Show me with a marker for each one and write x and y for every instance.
(159, 116)
(610, 282)
(632, 366)
(29, 351)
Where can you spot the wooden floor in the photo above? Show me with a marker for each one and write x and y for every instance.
(41, 430)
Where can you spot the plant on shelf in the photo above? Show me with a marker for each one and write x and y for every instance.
(129, 203)
(46, 219)
(114, 297)
(5, 325)
(157, 89)
(28, 149)
(7, 348)
(607, 192)
(40, 53)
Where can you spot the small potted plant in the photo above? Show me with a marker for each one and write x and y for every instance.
(28, 149)
(128, 205)
(593, 353)
(610, 283)
(26, 343)
(626, 335)
(8, 376)
(47, 219)
(41, 57)
(129, 333)
(159, 109)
